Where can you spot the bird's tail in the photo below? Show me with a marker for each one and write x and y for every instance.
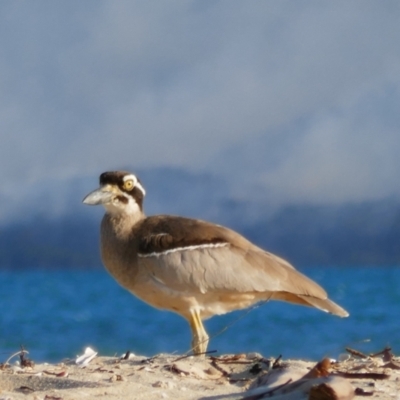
(325, 305)
(322, 304)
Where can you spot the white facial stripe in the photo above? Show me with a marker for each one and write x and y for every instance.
(187, 248)
(128, 177)
(135, 182)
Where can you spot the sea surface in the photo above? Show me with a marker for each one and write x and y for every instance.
(55, 314)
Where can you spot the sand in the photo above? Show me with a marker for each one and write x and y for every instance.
(181, 377)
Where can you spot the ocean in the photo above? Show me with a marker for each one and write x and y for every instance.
(55, 314)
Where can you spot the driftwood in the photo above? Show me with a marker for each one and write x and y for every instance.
(294, 384)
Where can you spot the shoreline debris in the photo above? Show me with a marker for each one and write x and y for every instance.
(86, 357)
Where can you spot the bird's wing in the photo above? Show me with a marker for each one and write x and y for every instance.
(191, 255)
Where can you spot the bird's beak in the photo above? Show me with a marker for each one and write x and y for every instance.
(102, 195)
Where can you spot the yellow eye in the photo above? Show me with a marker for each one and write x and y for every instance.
(128, 185)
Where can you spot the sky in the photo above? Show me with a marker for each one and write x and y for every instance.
(296, 100)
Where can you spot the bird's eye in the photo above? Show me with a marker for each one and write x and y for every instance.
(128, 185)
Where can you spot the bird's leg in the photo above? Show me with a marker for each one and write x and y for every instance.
(199, 334)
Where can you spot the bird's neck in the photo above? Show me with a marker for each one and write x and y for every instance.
(123, 224)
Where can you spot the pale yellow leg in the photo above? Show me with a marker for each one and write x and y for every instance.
(199, 334)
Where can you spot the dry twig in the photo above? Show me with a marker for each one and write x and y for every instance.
(276, 363)
(356, 353)
(363, 375)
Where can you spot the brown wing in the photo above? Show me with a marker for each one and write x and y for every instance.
(164, 233)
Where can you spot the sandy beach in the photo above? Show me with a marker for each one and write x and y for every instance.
(188, 377)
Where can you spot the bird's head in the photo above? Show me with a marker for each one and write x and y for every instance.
(120, 192)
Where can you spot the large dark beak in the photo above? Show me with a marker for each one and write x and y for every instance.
(102, 195)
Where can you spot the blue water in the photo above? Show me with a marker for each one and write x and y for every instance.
(55, 314)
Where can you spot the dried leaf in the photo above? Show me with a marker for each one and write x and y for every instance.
(319, 370)
(334, 389)
(26, 389)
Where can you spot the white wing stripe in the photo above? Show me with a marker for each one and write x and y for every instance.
(186, 248)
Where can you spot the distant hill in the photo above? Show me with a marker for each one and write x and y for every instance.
(54, 229)
(350, 234)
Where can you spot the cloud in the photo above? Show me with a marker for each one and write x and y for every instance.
(299, 99)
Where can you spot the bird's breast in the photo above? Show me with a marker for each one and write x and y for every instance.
(119, 257)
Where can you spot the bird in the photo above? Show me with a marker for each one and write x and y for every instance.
(192, 267)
